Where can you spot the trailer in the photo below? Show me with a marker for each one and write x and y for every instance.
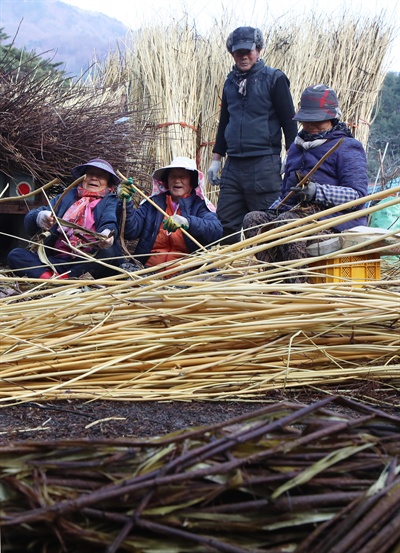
(13, 208)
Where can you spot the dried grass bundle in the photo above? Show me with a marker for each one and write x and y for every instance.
(216, 325)
(346, 53)
(183, 72)
(49, 125)
(288, 477)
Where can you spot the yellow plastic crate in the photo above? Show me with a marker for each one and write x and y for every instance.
(359, 269)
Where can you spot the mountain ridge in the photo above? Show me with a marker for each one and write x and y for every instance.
(60, 33)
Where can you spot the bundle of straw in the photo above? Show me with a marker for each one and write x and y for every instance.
(288, 477)
(49, 126)
(183, 71)
(216, 325)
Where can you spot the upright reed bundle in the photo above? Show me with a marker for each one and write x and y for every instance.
(347, 54)
(183, 72)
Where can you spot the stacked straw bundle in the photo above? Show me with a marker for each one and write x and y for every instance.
(217, 325)
(183, 72)
(286, 478)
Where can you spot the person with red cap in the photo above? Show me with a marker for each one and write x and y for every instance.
(91, 205)
(341, 178)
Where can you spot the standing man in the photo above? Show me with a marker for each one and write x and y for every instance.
(256, 106)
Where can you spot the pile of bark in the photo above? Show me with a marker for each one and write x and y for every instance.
(49, 124)
(321, 478)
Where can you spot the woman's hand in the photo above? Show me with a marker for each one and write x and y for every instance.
(172, 223)
(305, 193)
(45, 219)
(108, 240)
(126, 189)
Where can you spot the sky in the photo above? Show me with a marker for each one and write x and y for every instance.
(135, 13)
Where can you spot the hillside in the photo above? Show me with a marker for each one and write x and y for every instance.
(60, 32)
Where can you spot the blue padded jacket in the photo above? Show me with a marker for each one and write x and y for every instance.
(346, 166)
(144, 223)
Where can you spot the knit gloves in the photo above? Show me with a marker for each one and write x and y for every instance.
(126, 189)
(172, 223)
(213, 172)
(305, 193)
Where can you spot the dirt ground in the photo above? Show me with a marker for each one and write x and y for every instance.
(59, 420)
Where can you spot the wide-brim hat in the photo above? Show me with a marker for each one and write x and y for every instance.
(80, 170)
(177, 163)
(318, 103)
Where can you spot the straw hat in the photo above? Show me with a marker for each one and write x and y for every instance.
(177, 163)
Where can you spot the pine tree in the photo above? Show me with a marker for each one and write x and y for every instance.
(14, 60)
(384, 140)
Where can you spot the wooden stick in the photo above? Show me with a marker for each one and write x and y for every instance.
(67, 189)
(312, 171)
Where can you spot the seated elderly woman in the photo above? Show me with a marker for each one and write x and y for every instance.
(341, 177)
(178, 189)
(90, 206)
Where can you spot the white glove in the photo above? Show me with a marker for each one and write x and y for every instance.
(213, 171)
(45, 219)
(107, 242)
(172, 223)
